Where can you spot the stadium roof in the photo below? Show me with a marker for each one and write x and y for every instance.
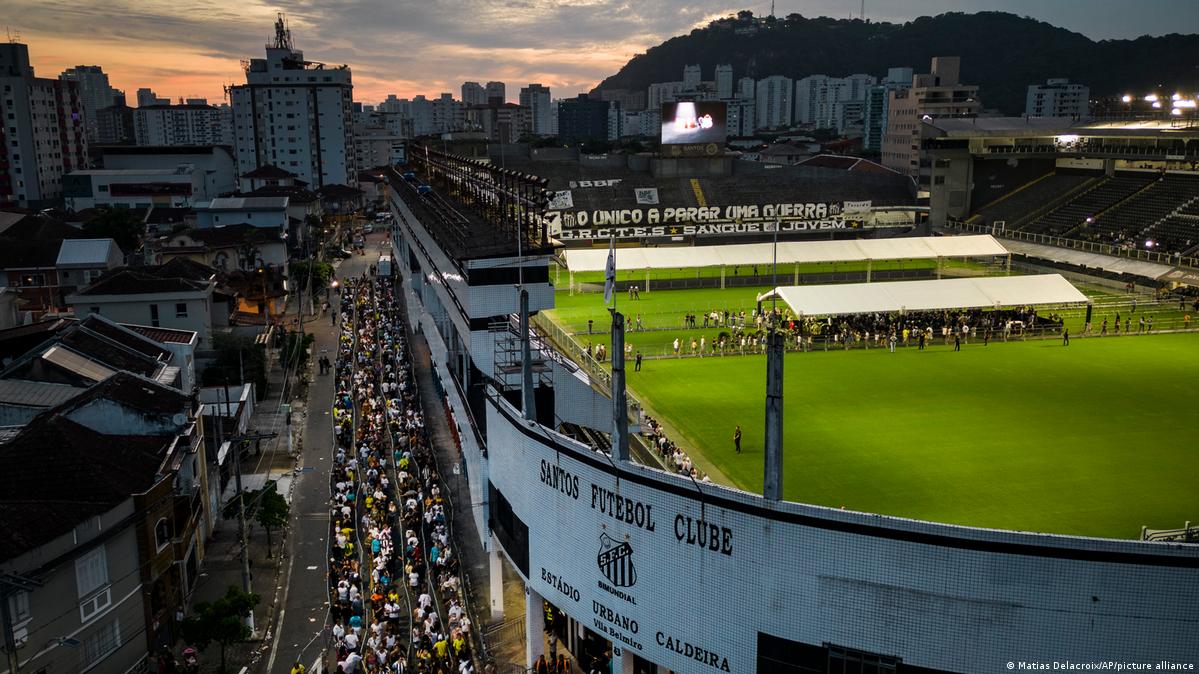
(962, 293)
(789, 252)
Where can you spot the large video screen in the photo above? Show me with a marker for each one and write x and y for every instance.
(693, 122)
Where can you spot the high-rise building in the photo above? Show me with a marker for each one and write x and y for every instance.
(496, 90)
(1058, 98)
(447, 114)
(44, 134)
(877, 104)
(662, 92)
(295, 114)
(692, 76)
(114, 124)
(773, 97)
(817, 99)
(193, 122)
(94, 91)
(148, 97)
(932, 95)
(724, 81)
(583, 118)
(473, 93)
(745, 88)
(536, 98)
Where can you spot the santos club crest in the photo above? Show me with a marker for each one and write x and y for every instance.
(616, 562)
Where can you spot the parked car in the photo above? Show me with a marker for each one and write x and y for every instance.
(338, 253)
(368, 228)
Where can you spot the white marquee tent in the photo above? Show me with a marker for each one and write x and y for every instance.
(789, 252)
(964, 293)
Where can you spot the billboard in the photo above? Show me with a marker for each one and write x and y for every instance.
(693, 128)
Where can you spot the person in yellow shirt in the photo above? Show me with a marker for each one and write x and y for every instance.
(297, 668)
(441, 647)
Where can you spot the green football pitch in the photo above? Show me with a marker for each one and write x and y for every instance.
(1097, 439)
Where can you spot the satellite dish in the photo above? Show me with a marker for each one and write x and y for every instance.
(179, 419)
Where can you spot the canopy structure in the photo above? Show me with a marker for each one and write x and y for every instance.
(937, 294)
(789, 252)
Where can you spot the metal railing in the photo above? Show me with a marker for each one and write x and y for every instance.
(550, 332)
(1172, 260)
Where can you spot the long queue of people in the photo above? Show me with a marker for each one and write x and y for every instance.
(673, 455)
(390, 552)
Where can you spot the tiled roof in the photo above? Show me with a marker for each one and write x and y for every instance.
(35, 393)
(335, 191)
(295, 193)
(129, 281)
(38, 505)
(163, 335)
(268, 171)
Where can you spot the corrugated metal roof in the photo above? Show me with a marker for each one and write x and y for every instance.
(74, 362)
(35, 393)
(9, 219)
(84, 252)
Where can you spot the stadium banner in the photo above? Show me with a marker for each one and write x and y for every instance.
(611, 182)
(562, 199)
(633, 223)
(646, 196)
(856, 206)
(702, 229)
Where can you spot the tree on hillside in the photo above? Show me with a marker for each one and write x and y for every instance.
(222, 621)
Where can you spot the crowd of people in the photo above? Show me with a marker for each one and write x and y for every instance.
(395, 594)
(674, 457)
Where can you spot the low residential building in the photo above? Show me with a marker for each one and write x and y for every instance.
(265, 212)
(180, 294)
(29, 247)
(105, 563)
(214, 162)
(178, 187)
(238, 246)
(81, 261)
(267, 175)
(340, 199)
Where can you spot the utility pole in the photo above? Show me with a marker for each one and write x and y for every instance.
(235, 443)
(11, 584)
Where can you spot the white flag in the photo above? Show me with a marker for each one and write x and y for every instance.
(610, 272)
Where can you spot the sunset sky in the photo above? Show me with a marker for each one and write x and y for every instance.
(409, 47)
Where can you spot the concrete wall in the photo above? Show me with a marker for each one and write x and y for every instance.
(938, 596)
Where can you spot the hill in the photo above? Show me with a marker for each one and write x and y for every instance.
(1002, 53)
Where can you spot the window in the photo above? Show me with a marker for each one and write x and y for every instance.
(94, 310)
(154, 315)
(91, 576)
(99, 645)
(162, 534)
(103, 188)
(181, 310)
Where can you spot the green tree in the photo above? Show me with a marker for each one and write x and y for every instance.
(234, 356)
(119, 224)
(222, 621)
(271, 511)
(311, 275)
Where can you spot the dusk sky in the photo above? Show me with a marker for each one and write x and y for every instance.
(409, 47)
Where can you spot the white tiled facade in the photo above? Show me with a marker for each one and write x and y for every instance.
(295, 115)
(184, 124)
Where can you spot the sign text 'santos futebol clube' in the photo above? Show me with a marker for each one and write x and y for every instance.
(655, 564)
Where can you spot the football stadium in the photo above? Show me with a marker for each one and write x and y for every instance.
(921, 425)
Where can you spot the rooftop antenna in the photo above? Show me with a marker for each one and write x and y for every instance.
(863, 10)
(282, 33)
(771, 7)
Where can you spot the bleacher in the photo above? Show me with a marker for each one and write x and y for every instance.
(1175, 234)
(1018, 204)
(1090, 204)
(1125, 222)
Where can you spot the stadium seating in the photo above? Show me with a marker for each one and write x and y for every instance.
(1090, 203)
(1019, 204)
(1128, 222)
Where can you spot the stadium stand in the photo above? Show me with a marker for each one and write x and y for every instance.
(1019, 204)
(1126, 222)
(1091, 203)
